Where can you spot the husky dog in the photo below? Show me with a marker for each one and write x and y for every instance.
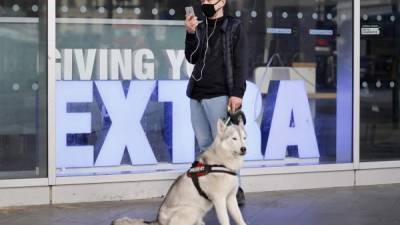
(184, 203)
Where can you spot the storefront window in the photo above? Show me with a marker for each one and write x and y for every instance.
(121, 81)
(379, 81)
(23, 82)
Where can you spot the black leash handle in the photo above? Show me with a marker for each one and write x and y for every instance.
(236, 117)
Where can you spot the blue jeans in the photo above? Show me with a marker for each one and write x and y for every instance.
(204, 116)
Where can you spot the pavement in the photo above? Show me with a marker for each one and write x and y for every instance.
(367, 205)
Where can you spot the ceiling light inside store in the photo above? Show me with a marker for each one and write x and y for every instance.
(83, 9)
(35, 86)
(378, 84)
(300, 15)
(15, 87)
(102, 10)
(315, 16)
(137, 11)
(35, 8)
(15, 8)
(64, 9)
(238, 13)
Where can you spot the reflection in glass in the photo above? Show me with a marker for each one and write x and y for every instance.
(379, 81)
(308, 40)
(23, 82)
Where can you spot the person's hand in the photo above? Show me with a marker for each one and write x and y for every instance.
(191, 24)
(234, 103)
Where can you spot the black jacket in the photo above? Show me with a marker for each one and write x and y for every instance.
(235, 53)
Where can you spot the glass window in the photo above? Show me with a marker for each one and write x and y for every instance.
(309, 41)
(23, 82)
(379, 81)
(122, 76)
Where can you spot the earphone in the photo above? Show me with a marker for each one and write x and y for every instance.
(205, 53)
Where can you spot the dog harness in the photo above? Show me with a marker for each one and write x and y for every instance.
(199, 169)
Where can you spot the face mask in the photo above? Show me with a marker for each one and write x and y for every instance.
(209, 9)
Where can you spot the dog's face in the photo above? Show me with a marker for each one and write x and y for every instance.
(233, 138)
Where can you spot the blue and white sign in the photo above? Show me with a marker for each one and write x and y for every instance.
(290, 122)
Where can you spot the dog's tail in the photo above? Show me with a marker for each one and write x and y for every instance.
(129, 221)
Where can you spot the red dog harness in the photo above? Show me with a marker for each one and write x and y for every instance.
(199, 169)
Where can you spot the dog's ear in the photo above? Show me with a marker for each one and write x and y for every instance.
(220, 126)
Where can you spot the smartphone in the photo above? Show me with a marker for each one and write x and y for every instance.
(189, 11)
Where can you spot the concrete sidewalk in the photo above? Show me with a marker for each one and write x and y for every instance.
(372, 205)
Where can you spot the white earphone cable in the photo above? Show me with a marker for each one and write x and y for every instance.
(205, 54)
(197, 47)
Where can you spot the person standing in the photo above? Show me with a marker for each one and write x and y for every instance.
(218, 49)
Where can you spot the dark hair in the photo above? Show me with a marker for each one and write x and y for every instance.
(227, 6)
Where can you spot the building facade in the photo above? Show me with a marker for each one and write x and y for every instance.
(94, 105)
